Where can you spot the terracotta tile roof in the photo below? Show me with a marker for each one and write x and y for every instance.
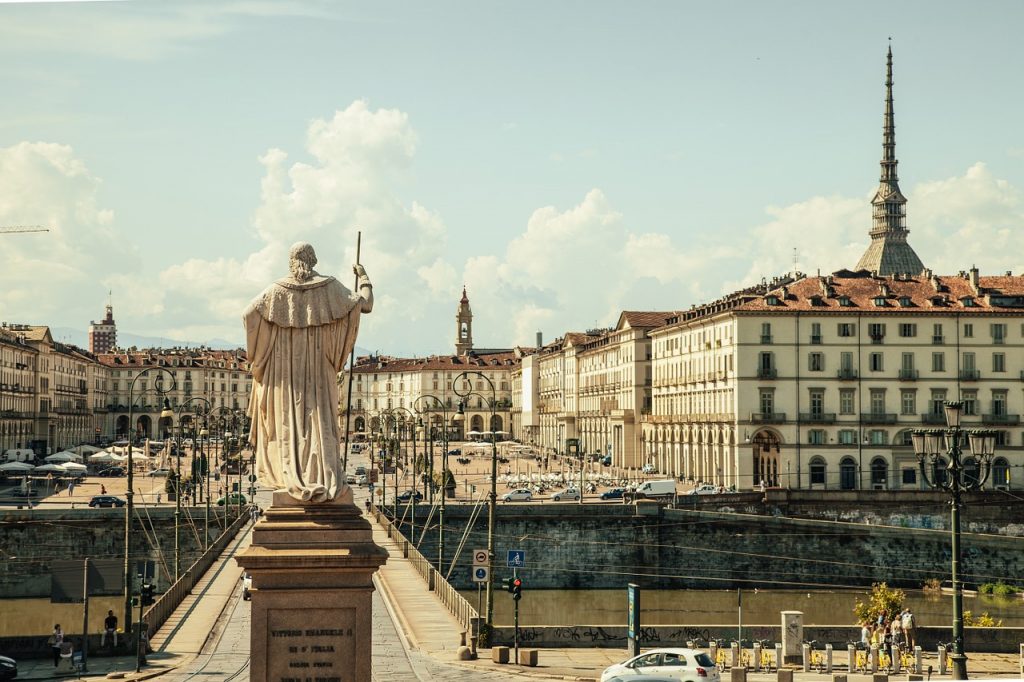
(384, 363)
(642, 319)
(186, 357)
(849, 292)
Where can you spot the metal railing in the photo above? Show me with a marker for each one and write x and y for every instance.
(767, 373)
(818, 417)
(161, 610)
(878, 417)
(456, 604)
(847, 373)
(908, 374)
(1000, 419)
(768, 417)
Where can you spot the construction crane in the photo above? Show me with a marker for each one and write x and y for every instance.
(22, 228)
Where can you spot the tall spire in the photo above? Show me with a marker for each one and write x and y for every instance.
(889, 253)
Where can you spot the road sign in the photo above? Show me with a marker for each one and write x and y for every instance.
(479, 557)
(481, 574)
(516, 558)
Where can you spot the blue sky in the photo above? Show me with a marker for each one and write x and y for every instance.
(563, 160)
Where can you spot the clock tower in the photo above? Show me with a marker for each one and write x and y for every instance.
(463, 326)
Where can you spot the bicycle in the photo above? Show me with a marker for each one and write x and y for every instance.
(817, 658)
(884, 661)
(908, 661)
(766, 662)
(721, 657)
(745, 658)
(861, 662)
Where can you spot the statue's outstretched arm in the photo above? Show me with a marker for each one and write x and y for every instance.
(364, 287)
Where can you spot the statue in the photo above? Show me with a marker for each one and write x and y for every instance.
(299, 333)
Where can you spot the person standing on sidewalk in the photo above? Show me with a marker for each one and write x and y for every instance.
(109, 629)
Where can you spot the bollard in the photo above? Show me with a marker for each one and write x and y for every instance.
(839, 677)
(828, 659)
(712, 651)
(805, 651)
(499, 654)
(873, 659)
(757, 657)
(738, 674)
(851, 653)
(735, 655)
(918, 667)
(879, 677)
(942, 659)
(784, 674)
(778, 656)
(894, 658)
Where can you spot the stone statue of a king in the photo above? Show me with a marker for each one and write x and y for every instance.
(299, 332)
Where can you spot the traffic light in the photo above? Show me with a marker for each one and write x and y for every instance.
(517, 589)
(509, 584)
(147, 594)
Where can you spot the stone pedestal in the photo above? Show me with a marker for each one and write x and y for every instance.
(312, 569)
(792, 637)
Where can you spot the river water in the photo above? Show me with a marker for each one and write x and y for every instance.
(719, 607)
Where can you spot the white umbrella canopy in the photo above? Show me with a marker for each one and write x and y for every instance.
(74, 466)
(63, 456)
(50, 468)
(102, 456)
(85, 449)
(16, 467)
(473, 433)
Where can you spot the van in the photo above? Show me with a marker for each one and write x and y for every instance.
(654, 490)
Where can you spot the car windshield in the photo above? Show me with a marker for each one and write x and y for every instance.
(704, 660)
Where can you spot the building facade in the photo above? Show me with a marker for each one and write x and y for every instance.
(103, 334)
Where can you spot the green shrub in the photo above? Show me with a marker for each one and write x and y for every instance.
(881, 600)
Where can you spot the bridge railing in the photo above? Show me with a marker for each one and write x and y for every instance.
(157, 614)
(456, 604)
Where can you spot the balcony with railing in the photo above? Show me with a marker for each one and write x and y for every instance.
(908, 375)
(970, 374)
(767, 373)
(934, 418)
(818, 417)
(878, 417)
(766, 339)
(847, 374)
(1000, 419)
(938, 340)
(816, 339)
(768, 417)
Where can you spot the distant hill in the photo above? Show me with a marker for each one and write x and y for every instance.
(79, 338)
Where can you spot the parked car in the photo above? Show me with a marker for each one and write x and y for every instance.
(350, 479)
(8, 668)
(246, 586)
(567, 494)
(408, 494)
(613, 494)
(106, 501)
(679, 665)
(112, 472)
(650, 469)
(706, 489)
(233, 498)
(361, 479)
(360, 471)
(520, 495)
(652, 490)
(158, 472)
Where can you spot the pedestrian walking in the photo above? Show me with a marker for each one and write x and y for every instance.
(55, 641)
(103, 490)
(71, 488)
(158, 498)
(897, 631)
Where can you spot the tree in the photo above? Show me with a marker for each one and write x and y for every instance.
(882, 600)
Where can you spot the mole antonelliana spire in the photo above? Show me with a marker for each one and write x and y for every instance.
(889, 253)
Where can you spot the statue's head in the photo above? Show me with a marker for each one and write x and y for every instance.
(301, 259)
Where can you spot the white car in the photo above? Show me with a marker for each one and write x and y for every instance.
(159, 472)
(521, 495)
(706, 489)
(650, 469)
(361, 479)
(684, 665)
(567, 494)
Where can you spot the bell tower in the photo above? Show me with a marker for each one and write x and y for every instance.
(463, 326)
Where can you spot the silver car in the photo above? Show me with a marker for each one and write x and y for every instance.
(681, 665)
(520, 495)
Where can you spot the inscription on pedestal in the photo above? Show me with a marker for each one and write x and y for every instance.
(311, 645)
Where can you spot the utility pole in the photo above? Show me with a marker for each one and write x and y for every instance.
(17, 229)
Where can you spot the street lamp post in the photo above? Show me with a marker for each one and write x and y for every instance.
(411, 504)
(493, 500)
(444, 472)
(931, 445)
(177, 484)
(129, 507)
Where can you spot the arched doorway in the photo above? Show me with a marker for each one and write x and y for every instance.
(971, 472)
(144, 426)
(818, 472)
(476, 423)
(496, 423)
(847, 474)
(121, 429)
(360, 424)
(1001, 473)
(766, 458)
(879, 474)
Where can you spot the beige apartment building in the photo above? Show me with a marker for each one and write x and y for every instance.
(818, 382)
(19, 363)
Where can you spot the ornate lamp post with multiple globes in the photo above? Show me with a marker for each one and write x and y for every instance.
(444, 468)
(493, 500)
(955, 478)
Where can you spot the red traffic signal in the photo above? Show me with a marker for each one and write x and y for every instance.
(517, 589)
